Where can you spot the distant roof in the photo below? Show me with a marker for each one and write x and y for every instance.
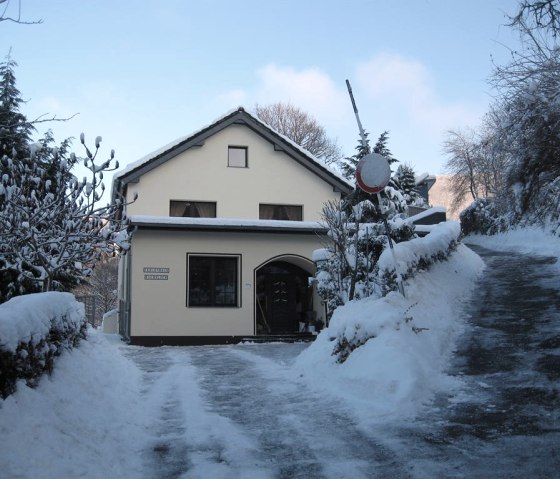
(424, 177)
(134, 170)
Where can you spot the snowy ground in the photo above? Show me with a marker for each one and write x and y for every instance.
(257, 411)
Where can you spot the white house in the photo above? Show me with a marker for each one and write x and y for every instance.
(224, 227)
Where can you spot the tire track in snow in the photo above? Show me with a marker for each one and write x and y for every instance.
(300, 433)
(187, 440)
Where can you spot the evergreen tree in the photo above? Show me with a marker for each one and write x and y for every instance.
(381, 148)
(15, 130)
(406, 177)
(392, 196)
(350, 163)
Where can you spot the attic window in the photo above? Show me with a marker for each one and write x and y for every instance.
(192, 209)
(281, 212)
(237, 156)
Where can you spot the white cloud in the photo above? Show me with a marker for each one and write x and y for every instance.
(392, 93)
(406, 88)
(310, 89)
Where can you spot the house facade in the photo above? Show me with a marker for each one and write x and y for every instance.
(223, 230)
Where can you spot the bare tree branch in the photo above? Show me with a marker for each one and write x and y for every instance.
(5, 18)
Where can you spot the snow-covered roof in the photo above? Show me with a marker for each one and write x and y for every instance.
(227, 224)
(135, 169)
(427, 213)
(420, 178)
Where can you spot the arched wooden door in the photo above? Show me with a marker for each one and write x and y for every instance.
(283, 297)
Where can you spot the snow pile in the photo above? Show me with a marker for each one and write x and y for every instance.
(417, 254)
(85, 420)
(30, 318)
(524, 240)
(404, 343)
(34, 329)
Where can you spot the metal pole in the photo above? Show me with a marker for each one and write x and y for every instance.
(360, 127)
(364, 144)
(386, 223)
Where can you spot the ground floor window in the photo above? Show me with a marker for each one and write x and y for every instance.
(213, 280)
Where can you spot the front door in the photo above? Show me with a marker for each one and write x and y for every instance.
(281, 296)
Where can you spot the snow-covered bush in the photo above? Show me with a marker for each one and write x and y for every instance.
(34, 329)
(478, 217)
(411, 256)
(489, 216)
(53, 226)
(418, 254)
(347, 266)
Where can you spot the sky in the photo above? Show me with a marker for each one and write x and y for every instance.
(141, 74)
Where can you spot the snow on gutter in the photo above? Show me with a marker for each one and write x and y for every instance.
(226, 224)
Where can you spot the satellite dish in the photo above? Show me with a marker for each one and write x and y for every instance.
(373, 173)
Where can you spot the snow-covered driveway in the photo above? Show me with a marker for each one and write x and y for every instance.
(505, 421)
(239, 411)
(236, 412)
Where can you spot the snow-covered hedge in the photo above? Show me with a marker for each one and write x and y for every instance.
(411, 257)
(34, 329)
(417, 254)
(406, 344)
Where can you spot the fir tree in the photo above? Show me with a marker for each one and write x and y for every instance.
(15, 129)
(392, 196)
(406, 177)
(382, 149)
(350, 163)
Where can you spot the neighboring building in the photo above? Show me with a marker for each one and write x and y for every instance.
(441, 195)
(424, 184)
(224, 228)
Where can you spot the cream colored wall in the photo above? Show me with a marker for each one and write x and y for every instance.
(202, 174)
(159, 307)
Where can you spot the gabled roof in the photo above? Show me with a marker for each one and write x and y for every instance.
(135, 170)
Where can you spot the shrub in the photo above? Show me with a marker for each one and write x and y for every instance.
(34, 330)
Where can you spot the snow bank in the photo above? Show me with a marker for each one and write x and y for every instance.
(34, 329)
(30, 318)
(418, 253)
(85, 420)
(524, 240)
(406, 342)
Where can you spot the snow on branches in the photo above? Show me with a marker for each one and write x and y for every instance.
(347, 266)
(53, 227)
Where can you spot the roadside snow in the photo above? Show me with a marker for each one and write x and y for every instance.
(409, 253)
(83, 421)
(524, 240)
(394, 373)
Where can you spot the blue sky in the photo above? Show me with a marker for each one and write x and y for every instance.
(142, 74)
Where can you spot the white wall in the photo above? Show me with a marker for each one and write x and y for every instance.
(159, 307)
(202, 174)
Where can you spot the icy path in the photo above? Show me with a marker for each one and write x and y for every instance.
(505, 422)
(234, 412)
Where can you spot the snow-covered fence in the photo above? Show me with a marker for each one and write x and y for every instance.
(34, 329)
(417, 254)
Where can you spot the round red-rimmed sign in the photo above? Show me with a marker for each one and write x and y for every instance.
(373, 173)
